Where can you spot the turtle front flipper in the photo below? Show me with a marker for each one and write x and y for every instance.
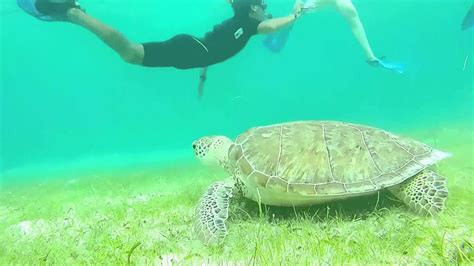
(425, 193)
(213, 211)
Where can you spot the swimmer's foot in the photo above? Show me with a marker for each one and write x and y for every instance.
(381, 62)
(48, 10)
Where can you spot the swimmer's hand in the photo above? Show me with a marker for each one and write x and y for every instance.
(276, 24)
(298, 8)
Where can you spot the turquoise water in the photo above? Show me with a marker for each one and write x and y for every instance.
(66, 96)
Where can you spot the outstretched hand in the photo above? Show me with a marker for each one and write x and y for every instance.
(298, 8)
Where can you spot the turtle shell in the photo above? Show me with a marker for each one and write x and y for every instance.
(326, 158)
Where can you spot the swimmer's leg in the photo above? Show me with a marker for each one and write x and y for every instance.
(349, 12)
(130, 52)
(181, 51)
(70, 11)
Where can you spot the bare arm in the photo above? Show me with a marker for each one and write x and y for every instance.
(276, 24)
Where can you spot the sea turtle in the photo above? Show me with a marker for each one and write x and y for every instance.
(311, 162)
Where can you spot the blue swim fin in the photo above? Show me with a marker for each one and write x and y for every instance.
(276, 41)
(399, 68)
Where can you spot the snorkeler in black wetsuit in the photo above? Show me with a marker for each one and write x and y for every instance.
(182, 51)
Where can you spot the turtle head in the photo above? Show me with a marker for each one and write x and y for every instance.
(213, 150)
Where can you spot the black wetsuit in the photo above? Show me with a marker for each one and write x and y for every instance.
(185, 51)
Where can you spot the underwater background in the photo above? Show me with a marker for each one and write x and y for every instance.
(69, 102)
(65, 95)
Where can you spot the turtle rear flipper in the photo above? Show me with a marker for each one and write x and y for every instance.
(213, 211)
(425, 193)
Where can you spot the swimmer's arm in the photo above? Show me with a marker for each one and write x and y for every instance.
(275, 24)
